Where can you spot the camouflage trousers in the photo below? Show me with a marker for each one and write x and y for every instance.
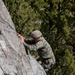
(47, 63)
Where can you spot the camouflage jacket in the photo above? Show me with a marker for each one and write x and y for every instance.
(43, 48)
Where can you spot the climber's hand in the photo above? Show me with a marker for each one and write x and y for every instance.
(21, 37)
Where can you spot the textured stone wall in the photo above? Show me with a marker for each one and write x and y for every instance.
(13, 58)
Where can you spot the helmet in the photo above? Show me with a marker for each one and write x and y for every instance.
(35, 34)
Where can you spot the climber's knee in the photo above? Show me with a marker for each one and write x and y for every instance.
(48, 64)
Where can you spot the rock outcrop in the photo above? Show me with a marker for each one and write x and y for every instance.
(13, 57)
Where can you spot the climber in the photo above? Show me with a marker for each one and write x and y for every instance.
(43, 48)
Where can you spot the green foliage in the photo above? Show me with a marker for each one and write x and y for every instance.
(56, 20)
(24, 17)
(66, 64)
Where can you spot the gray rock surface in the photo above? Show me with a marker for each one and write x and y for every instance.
(13, 58)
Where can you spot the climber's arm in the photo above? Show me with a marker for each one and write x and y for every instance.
(34, 46)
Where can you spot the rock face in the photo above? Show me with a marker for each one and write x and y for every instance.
(13, 57)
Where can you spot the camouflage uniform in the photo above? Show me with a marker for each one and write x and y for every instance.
(45, 52)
